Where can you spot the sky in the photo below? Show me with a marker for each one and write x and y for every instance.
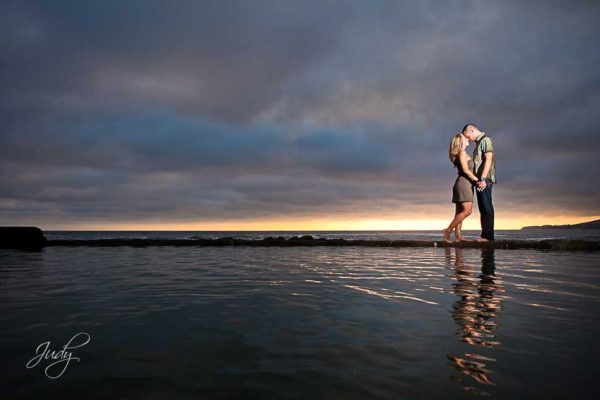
(293, 115)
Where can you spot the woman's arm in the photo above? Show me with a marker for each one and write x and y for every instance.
(464, 166)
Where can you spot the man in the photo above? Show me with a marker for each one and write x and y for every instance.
(485, 169)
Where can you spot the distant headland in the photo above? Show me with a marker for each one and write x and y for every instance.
(584, 225)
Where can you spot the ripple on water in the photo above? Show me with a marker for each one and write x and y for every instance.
(382, 322)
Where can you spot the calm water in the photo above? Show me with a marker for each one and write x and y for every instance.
(302, 323)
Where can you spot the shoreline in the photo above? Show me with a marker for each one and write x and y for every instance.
(309, 241)
(33, 238)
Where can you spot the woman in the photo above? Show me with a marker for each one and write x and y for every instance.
(462, 191)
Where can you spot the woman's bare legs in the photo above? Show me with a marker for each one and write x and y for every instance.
(458, 232)
(463, 210)
(447, 232)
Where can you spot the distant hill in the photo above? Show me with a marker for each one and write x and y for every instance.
(584, 225)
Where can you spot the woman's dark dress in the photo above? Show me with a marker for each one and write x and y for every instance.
(462, 191)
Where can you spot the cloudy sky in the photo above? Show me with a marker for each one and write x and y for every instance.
(293, 114)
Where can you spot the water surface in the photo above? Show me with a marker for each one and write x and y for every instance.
(296, 322)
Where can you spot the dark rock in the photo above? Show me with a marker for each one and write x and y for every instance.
(26, 237)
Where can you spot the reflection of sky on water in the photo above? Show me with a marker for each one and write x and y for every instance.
(353, 322)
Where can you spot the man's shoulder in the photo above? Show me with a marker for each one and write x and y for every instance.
(486, 143)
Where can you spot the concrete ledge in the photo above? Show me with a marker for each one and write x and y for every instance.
(309, 241)
(26, 237)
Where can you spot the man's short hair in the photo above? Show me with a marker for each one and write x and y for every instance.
(467, 126)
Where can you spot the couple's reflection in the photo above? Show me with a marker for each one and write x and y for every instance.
(475, 313)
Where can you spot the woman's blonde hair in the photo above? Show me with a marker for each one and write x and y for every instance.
(455, 147)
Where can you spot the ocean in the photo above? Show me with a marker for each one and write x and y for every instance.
(299, 323)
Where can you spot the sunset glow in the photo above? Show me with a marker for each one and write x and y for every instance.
(312, 224)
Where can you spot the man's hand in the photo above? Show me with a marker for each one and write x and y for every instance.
(481, 185)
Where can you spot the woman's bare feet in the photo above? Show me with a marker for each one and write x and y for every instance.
(447, 235)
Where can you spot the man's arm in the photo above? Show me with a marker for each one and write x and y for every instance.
(487, 149)
(487, 164)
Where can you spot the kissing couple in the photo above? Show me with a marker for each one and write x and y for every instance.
(477, 172)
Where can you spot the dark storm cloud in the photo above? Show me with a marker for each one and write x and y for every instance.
(153, 142)
(240, 109)
(221, 59)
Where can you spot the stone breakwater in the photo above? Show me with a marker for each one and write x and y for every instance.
(310, 241)
(33, 238)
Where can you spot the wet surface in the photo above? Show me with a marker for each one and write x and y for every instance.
(317, 322)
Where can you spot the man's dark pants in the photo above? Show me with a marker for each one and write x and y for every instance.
(486, 211)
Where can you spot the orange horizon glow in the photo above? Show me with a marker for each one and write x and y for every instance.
(317, 224)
